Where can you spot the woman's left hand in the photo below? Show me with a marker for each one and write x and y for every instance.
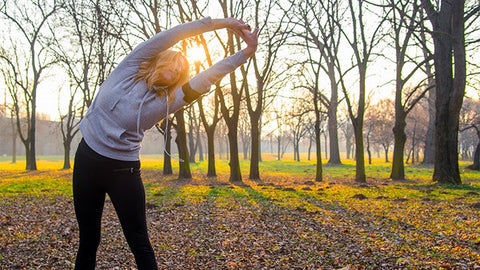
(251, 38)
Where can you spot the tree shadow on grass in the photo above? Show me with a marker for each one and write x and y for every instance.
(354, 222)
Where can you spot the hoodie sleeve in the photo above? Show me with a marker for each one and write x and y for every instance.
(202, 82)
(166, 39)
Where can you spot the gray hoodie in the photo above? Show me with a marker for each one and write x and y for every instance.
(124, 107)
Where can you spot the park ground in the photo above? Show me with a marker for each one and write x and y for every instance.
(285, 221)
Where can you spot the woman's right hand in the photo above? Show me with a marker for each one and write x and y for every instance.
(235, 25)
(241, 29)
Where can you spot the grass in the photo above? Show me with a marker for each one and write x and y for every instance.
(51, 178)
(430, 220)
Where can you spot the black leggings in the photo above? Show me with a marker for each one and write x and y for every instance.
(94, 176)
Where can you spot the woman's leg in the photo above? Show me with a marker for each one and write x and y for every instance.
(88, 199)
(128, 197)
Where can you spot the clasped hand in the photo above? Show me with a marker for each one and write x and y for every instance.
(243, 30)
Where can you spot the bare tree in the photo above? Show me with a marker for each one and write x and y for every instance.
(231, 112)
(273, 32)
(448, 24)
(30, 59)
(362, 42)
(318, 21)
(404, 19)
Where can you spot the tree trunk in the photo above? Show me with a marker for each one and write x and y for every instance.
(359, 152)
(398, 167)
(234, 163)
(211, 152)
(181, 140)
(448, 38)
(31, 157)
(386, 154)
(66, 154)
(318, 168)
(255, 156)
(14, 141)
(333, 131)
(278, 147)
(167, 160)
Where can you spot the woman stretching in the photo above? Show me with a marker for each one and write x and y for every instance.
(151, 81)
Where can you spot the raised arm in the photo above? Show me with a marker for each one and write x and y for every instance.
(170, 37)
(202, 82)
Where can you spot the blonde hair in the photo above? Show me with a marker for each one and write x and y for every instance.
(150, 72)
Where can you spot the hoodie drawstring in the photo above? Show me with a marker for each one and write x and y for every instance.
(165, 131)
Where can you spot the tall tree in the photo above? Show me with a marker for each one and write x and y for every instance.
(404, 17)
(362, 41)
(318, 20)
(448, 25)
(31, 59)
(232, 9)
(273, 31)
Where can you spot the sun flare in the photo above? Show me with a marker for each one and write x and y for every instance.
(195, 54)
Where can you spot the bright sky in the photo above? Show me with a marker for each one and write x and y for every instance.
(378, 77)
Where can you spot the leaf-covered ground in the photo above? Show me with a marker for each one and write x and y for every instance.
(281, 223)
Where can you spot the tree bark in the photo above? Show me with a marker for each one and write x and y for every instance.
(255, 151)
(181, 140)
(359, 151)
(448, 38)
(333, 127)
(234, 162)
(167, 160)
(318, 168)
(66, 154)
(398, 167)
(211, 152)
